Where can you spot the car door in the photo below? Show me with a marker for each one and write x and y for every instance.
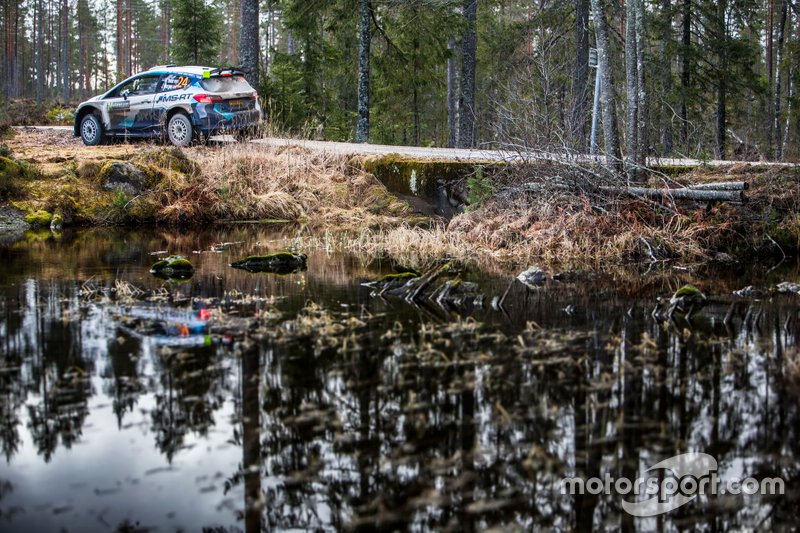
(130, 106)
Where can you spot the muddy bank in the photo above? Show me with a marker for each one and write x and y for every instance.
(513, 216)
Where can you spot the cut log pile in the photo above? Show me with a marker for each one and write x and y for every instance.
(728, 191)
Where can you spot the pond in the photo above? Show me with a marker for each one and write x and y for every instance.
(308, 402)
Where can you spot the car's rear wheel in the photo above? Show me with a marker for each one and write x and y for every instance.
(91, 130)
(179, 130)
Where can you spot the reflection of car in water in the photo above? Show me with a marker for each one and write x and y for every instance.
(179, 103)
(166, 327)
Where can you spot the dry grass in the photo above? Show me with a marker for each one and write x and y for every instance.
(529, 218)
(237, 182)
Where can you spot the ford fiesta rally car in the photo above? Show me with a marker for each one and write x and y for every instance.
(180, 103)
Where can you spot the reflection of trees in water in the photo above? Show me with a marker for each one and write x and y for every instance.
(122, 380)
(46, 366)
(190, 388)
(459, 433)
(12, 395)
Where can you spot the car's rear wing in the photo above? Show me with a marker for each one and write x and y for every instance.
(226, 72)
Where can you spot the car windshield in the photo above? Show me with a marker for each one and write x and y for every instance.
(230, 84)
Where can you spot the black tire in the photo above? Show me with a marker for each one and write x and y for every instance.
(91, 130)
(179, 130)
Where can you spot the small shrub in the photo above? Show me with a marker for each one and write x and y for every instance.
(120, 201)
(479, 188)
(60, 115)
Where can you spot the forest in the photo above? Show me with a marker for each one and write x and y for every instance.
(697, 78)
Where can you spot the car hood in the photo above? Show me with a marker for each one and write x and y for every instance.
(92, 99)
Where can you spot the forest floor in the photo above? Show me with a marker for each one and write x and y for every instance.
(516, 214)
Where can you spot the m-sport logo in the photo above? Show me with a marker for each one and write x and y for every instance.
(670, 484)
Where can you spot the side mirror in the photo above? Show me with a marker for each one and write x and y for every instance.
(125, 93)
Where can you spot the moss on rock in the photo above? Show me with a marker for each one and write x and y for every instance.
(39, 219)
(285, 262)
(173, 267)
(172, 158)
(12, 177)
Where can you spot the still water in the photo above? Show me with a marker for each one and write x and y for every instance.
(311, 404)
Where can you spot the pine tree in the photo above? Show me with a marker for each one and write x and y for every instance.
(195, 32)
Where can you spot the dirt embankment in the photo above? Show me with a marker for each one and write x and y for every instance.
(543, 213)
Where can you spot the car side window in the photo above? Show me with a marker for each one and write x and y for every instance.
(137, 86)
(174, 82)
(145, 85)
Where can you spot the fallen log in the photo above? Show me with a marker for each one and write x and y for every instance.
(722, 186)
(680, 194)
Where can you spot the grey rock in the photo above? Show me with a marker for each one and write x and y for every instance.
(125, 177)
(533, 277)
(751, 292)
(789, 287)
(12, 220)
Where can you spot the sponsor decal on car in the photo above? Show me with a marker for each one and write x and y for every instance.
(174, 81)
(173, 97)
(121, 105)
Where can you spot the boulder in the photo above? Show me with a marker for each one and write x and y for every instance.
(173, 267)
(12, 220)
(683, 303)
(285, 262)
(12, 176)
(533, 277)
(124, 177)
(788, 287)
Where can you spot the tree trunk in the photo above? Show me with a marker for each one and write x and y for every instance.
(776, 106)
(128, 38)
(233, 22)
(249, 41)
(698, 195)
(666, 77)
(10, 21)
(607, 99)
(770, 54)
(120, 44)
(364, 41)
(40, 66)
(452, 96)
(166, 29)
(469, 48)
(722, 82)
(82, 43)
(642, 138)
(631, 85)
(686, 42)
(580, 75)
(65, 52)
(790, 94)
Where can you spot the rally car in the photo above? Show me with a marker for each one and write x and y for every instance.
(179, 103)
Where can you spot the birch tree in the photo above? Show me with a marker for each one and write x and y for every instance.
(607, 92)
(364, 41)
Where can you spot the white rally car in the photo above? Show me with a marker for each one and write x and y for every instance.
(173, 102)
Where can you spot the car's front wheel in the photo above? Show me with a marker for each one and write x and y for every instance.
(91, 130)
(179, 130)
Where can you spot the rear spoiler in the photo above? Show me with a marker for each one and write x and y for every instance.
(226, 71)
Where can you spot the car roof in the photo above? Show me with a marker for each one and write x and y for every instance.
(183, 69)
